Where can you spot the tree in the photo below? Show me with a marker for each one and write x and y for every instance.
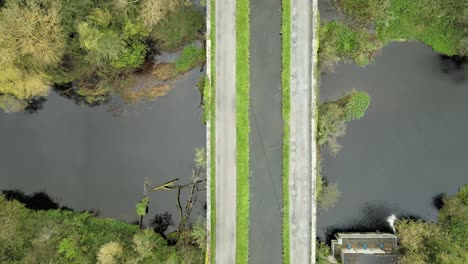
(153, 11)
(22, 83)
(31, 31)
(179, 28)
(331, 125)
(442, 242)
(31, 39)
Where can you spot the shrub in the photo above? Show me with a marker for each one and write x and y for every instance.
(434, 22)
(153, 11)
(442, 242)
(165, 71)
(331, 123)
(178, 28)
(365, 12)
(57, 236)
(189, 58)
(323, 251)
(355, 105)
(339, 41)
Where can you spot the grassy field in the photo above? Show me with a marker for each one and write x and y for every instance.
(285, 74)
(243, 129)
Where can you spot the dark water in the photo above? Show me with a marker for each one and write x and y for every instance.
(98, 157)
(409, 148)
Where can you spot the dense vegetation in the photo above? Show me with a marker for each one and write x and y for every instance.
(95, 45)
(342, 42)
(331, 124)
(441, 242)
(441, 24)
(323, 251)
(58, 236)
(334, 115)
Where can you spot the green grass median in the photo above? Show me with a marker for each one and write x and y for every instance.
(285, 74)
(243, 129)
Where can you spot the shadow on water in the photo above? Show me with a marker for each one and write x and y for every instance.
(373, 218)
(438, 201)
(454, 66)
(68, 91)
(35, 104)
(40, 201)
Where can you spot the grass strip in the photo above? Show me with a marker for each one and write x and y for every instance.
(285, 84)
(213, 126)
(243, 129)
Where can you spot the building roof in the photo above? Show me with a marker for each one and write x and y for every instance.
(365, 235)
(370, 258)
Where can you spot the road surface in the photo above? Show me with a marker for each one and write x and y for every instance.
(302, 132)
(266, 134)
(225, 135)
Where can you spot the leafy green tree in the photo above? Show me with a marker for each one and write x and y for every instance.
(442, 242)
(31, 32)
(31, 39)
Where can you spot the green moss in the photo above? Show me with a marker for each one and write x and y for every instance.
(286, 108)
(243, 129)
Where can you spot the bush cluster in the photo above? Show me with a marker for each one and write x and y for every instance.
(334, 115)
(58, 236)
(90, 43)
(441, 242)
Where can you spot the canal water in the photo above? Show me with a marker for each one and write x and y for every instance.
(98, 157)
(411, 145)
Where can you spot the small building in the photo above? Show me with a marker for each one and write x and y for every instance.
(365, 248)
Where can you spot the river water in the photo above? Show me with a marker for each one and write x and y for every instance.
(98, 157)
(410, 146)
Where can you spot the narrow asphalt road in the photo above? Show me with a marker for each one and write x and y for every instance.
(225, 135)
(302, 133)
(266, 134)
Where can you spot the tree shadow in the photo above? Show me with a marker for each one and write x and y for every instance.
(438, 201)
(35, 104)
(454, 66)
(68, 91)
